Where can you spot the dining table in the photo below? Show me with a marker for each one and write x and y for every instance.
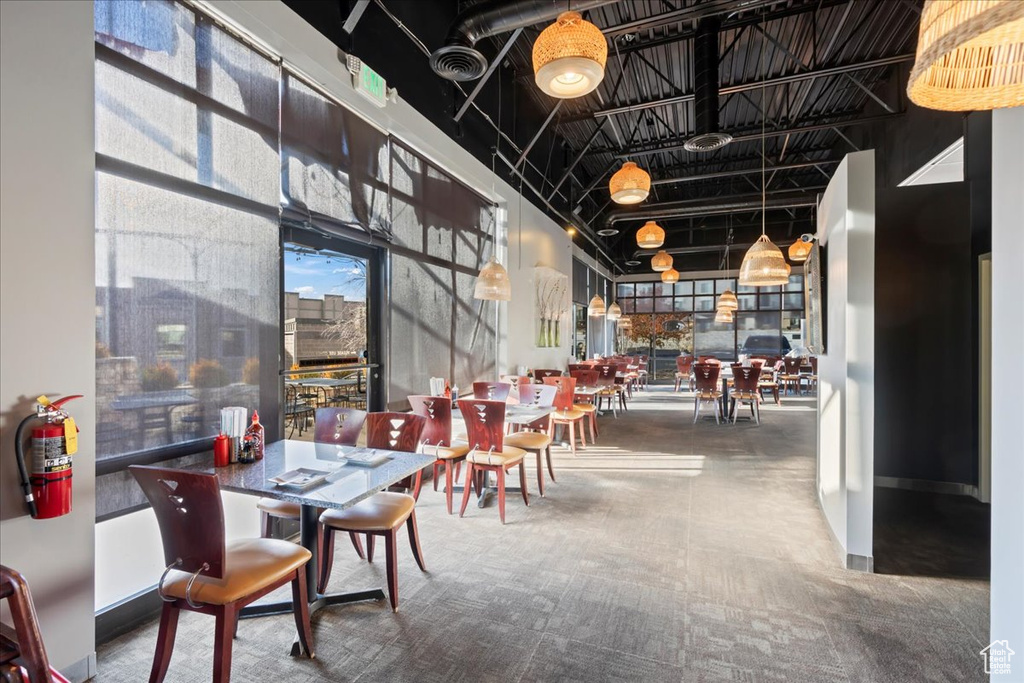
(343, 486)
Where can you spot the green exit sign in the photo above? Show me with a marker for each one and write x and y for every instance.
(371, 85)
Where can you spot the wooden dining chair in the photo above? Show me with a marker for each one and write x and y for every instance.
(491, 391)
(382, 514)
(340, 426)
(745, 390)
(540, 375)
(206, 575)
(514, 382)
(684, 372)
(566, 414)
(707, 390)
(485, 427)
(611, 391)
(437, 439)
(588, 403)
(535, 437)
(790, 376)
(22, 653)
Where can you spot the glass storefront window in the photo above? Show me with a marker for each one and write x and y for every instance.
(626, 289)
(714, 339)
(663, 288)
(792, 301)
(704, 286)
(748, 302)
(758, 334)
(645, 305)
(770, 302)
(663, 304)
(644, 289)
(722, 285)
(704, 303)
(684, 287)
(683, 303)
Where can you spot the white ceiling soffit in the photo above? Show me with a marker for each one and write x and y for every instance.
(946, 167)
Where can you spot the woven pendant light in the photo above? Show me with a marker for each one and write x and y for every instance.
(799, 251)
(625, 324)
(492, 284)
(614, 312)
(630, 184)
(727, 301)
(569, 57)
(661, 261)
(670, 275)
(650, 236)
(596, 306)
(723, 316)
(970, 55)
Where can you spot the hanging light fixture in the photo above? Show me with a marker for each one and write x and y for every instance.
(569, 57)
(727, 300)
(625, 323)
(650, 236)
(661, 261)
(970, 55)
(763, 265)
(630, 184)
(670, 275)
(723, 316)
(614, 312)
(492, 284)
(596, 308)
(800, 250)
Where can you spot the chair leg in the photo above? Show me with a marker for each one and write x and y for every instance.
(437, 469)
(572, 437)
(224, 634)
(448, 485)
(458, 470)
(370, 540)
(551, 470)
(696, 409)
(301, 610)
(414, 541)
(540, 474)
(583, 436)
(466, 489)
(501, 493)
(417, 484)
(357, 543)
(265, 524)
(164, 642)
(391, 559)
(717, 421)
(326, 559)
(522, 479)
(593, 427)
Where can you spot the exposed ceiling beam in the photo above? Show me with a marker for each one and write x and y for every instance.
(487, 74)
(798, 197)
(708, 8)
(745, 171)
(354, 16)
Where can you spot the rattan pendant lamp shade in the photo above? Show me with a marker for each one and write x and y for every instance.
(727, 301)
(630, 184)
(661, 261)
(970, 55)
(614, 312)
(569, 57)
(723, 316)
(492, 284)
(650, 236)
(799, 251)
(670, 275)
(596, 306)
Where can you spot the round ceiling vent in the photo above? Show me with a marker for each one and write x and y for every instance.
(632, 263)
(607, 232)
(458, 63)
(707, 142)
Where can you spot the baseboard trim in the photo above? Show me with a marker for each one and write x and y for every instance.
(126, 615)
(857, 563)
(82, 670)
(927, 485)
(860, 563)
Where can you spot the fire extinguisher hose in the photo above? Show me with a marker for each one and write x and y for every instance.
(19, 450)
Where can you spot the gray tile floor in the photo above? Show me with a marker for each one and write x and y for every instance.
(666, 552)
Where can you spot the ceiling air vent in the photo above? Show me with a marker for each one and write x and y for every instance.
(705, 79)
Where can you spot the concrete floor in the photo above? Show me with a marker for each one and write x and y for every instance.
(666, 552)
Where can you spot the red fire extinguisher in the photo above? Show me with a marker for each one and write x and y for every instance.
(46, 484)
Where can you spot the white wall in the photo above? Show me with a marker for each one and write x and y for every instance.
(47, 324)
(846, 228)
(1007, 606)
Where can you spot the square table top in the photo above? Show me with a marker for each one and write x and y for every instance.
(345, 486)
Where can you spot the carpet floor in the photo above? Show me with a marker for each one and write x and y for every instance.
(667, 551)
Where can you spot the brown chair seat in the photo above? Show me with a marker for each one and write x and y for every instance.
(527, 440)
(567, 415)
(506, 456)
(279, 508)
(379, 512)
(585, 407)
(249, 566)
(456, 450)
(746, 395)
(709, 394)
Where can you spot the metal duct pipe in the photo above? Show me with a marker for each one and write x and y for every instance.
(705, 79)
(689, 208)
(459, 60)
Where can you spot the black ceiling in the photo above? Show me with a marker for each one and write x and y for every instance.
(829, 65)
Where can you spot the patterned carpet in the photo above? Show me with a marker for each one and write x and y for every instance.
(668, 551)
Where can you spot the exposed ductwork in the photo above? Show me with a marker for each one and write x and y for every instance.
(459, 60)
(705, 80)
(688, 208)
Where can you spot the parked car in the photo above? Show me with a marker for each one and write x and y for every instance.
(765, 345)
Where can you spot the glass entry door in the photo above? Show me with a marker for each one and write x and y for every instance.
(331, 328)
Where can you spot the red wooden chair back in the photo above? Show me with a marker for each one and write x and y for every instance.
(395, 431)
(541, 374)
(437, 413)
(757, 363)
(566, 390)
(745, 379)
(542, 395)
(575, 367)
(793, 365)
(485, 423)
(707, 376)
(814, 364)
(491, 391)
(684, 364)
(339, 426)
(606, 373)
(190, 515)
(585, 378)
